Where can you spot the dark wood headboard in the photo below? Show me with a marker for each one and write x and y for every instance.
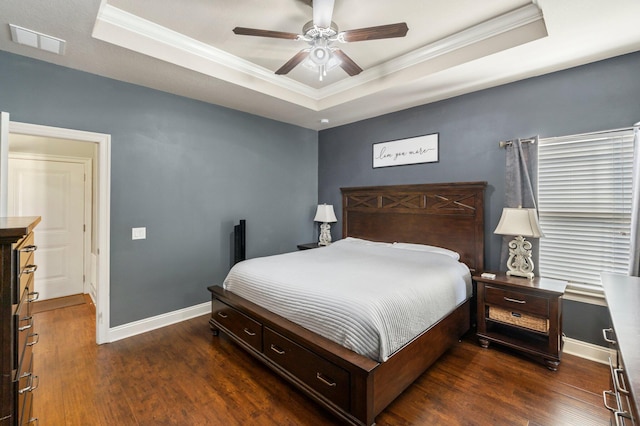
(449, 215)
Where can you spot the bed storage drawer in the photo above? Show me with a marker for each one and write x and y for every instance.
(516, 300)
(236, 322)
(326, 378)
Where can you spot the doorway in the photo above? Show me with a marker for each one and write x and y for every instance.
(57, 188)
(99, 231)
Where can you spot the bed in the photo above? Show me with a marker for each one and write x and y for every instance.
(351, 385)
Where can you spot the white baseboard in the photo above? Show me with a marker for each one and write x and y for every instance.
(142, 326)
(587, 350)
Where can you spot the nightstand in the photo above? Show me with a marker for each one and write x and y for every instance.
(523, 314)
(308, 246)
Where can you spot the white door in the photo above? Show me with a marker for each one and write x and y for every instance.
(53, 190)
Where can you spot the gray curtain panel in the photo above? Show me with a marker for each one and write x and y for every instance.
(634, 264)
(521, 185)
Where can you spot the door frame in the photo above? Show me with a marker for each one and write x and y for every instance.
(103, 198)
(86, 207)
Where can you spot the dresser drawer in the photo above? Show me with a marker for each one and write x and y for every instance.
(326, 378)
(27, 412)
(26, 384)
(25, 249)
(26, 278)
(23, 266)
(239, 324)
(28, 339)
(617, 399)
(518, 301)
(23, 328)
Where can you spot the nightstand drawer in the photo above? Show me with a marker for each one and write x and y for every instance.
(519, 319)
(514, 300)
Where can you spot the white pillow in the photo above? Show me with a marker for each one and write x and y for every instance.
(424, 247)
(352, 240)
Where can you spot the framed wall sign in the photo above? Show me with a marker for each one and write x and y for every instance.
(420, 149)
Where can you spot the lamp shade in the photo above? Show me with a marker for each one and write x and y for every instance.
(519, 221)
(325, 214)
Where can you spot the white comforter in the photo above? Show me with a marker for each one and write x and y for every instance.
(369, 297)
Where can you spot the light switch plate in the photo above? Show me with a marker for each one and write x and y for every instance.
(138, 233)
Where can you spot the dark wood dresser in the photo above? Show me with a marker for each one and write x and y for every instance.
(17, 269)
(623, 297)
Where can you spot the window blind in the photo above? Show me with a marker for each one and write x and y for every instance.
(584, 202)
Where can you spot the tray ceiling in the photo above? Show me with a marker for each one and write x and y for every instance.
(452, 47)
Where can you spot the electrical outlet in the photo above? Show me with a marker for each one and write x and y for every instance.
(138, 233)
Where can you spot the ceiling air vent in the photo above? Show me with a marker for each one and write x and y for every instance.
(38, 40)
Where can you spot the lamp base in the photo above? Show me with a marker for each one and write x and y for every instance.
(529, 275)
(520, 263)
(325, 234)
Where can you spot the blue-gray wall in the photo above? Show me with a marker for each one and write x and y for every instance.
(598, 96)
(185, 170)
(188, 170)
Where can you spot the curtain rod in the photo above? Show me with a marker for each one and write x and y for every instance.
(504, 144)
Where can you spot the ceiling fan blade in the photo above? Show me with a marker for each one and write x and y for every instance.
(322, 13)
(347, 64)
(264, 33)
(376, 33)
(291, 63)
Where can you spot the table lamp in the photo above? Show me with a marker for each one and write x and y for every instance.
(325, 214)
(519, 223)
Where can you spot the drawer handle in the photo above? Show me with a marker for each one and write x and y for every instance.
(28, 326)
(33, 420)
(619, 414)
(36, 340)
(223, 315)
(277, 349)
(31, 386)
(508, 299)
(29, 269)
(617, 376)
(605, 335)
(604, 397)
(36, 296)
(327, 382)
(28, 249)
(249, 332)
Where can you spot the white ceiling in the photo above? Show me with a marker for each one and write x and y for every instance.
(453, 47)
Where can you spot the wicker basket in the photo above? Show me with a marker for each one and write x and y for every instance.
(519, 319)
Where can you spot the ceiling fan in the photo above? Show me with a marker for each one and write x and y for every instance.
(320, 34)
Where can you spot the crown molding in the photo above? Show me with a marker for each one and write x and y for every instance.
(510, 21)
(116, 26)
(113, 25)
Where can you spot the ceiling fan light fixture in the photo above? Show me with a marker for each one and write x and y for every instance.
(320, 55)
(333, 62)
(320, 34)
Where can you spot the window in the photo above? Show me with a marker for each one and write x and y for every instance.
(584, 201)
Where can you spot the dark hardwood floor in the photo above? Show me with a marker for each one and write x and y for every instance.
(182, 375)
